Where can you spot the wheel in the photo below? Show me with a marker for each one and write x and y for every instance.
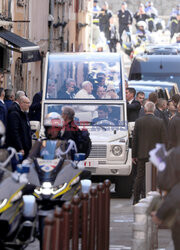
(123, 186)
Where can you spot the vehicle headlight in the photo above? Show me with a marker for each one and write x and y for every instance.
(3, 203)
(116, 150)
(47, 189)
(46, 185)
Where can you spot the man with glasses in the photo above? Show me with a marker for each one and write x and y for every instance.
(18, 133)
(69, 91)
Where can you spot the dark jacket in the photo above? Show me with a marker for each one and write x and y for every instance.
(162, 115)
(65, 95)
(35, 108)
(3, 113)
(70, 131)
(148, 131)
(18, 134)
(125, 17)
(104, 22)
(8, 103)
(174, 131)
(133, 110)
(169, 180)
(141, 17)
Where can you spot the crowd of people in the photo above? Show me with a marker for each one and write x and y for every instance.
(91, 89)
(145, 19)
(157, 121)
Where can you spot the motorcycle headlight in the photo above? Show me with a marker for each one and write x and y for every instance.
(3, 203)
(116, 150)
(45, 189)
(46, 185)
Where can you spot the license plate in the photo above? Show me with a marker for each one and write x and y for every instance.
(89, 164)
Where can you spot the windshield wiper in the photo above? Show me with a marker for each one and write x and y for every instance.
(101, 126)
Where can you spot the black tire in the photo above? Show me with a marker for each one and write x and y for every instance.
(123, 186)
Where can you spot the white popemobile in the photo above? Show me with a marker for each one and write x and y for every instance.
(93, 84)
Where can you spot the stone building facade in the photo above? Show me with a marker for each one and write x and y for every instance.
(53, 25)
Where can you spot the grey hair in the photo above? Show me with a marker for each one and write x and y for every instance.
(69, 80)
(8, 93)
(69, 111)
(18, 94)
(149, 107)
(160, 102)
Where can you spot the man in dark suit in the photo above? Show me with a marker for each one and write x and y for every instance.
(69, 90)
(161, 107)
(35, 108)
(133, 106)
(3, 109)
(174, 129)
(18, 134)
(148, 131)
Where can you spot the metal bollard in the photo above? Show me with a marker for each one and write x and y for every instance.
(100, 217)
(107, 184)
(57, 230)
(84, 198)
(93, 218)
(48, 233)
(66, 224)
(75, 222)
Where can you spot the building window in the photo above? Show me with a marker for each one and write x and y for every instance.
(20, 3)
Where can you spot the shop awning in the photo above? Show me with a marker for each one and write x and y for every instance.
(29, 50)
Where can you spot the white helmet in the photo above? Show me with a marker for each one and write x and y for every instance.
(53, 119)
(142, 24)
(2, 134)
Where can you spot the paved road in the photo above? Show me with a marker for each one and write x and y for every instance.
(121, 226)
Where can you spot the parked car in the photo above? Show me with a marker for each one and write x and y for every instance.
(169, 88)
(156, 68)
(162, 49)
(148, 89)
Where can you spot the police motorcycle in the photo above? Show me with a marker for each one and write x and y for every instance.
(55, 170)
(17, 208)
